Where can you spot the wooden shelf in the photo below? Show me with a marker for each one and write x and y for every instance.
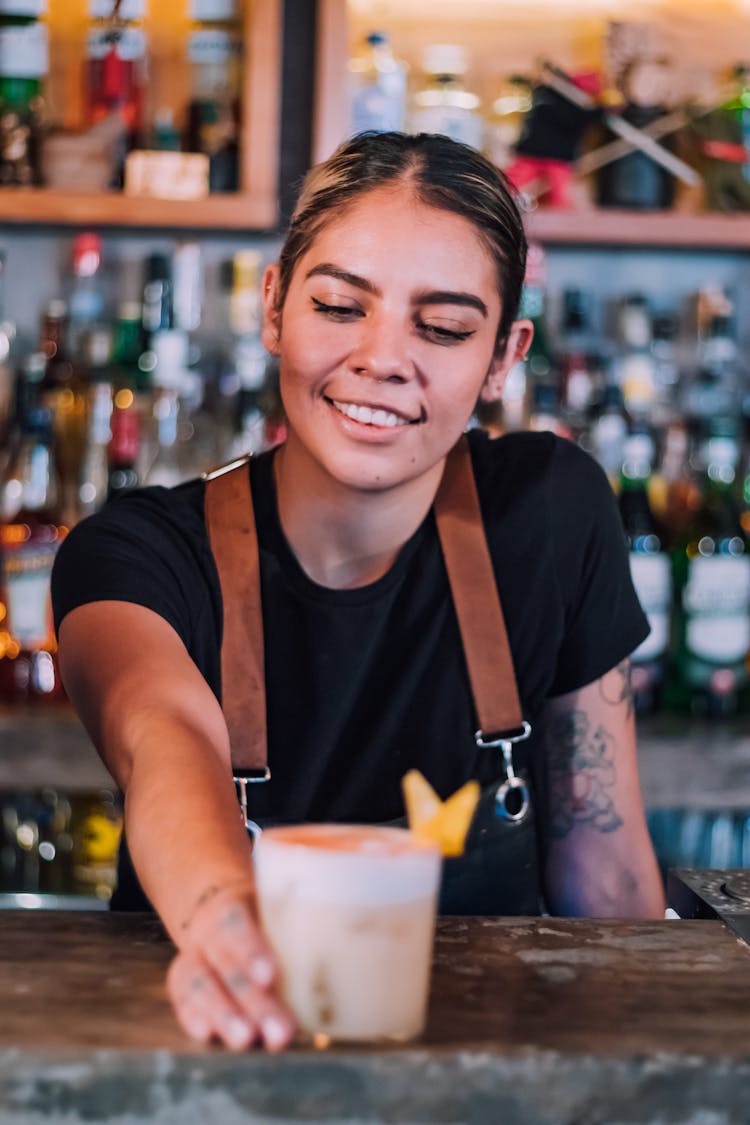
(47, 207)
(641, 229)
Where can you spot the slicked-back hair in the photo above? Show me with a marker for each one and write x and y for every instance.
(441, 173)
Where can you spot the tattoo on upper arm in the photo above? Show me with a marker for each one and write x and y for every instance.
(616, 687)
(581, 773)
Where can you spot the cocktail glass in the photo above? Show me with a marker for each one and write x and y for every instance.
(349, 911)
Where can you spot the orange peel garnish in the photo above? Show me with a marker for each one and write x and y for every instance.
(445, 823)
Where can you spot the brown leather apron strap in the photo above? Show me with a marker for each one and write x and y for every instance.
(230, 521)
(231, 529)
(475, 598)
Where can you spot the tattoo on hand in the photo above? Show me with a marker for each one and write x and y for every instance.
(616, 687)
(582, 771)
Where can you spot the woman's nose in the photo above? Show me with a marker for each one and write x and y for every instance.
(382, 349)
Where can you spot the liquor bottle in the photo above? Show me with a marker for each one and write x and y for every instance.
(608, 432)
(94, 479)
(444, 105)
(714, 388)
(115, 76)
(157, 311)
(673, 491)
(504, 123)
(377, 88)
(7, 338)
(28, 543)
(634, 368)
(544, 413)
(65, 393)
(23, 67)
(712, 589)
(577, 387)
(666, 369)
(212, 120)
(124, 445)
(86, 298)
(171, 353)
(649, 568)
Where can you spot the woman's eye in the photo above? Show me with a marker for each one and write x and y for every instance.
(444, 335)
(336, 312)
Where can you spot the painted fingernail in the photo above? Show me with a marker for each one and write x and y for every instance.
(274, 1032)
(262, 971)
(238, 1032)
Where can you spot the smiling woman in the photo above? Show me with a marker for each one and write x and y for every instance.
(320, 632)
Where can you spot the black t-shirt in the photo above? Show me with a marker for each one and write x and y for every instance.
(364, 684)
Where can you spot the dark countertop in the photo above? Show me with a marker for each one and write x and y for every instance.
(682, 763)
(542, 1021)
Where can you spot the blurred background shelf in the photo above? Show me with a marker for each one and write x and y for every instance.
(644, 229)
(47, 207)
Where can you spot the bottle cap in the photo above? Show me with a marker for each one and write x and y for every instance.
(87, 254)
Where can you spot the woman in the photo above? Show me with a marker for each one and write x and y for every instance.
(391, 310)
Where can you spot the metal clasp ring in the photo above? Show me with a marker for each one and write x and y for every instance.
(242, 783)
(512, 782)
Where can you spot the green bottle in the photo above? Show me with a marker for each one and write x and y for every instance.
(711, 569)
(649, 569)
(23, 67)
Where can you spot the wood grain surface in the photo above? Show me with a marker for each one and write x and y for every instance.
(503, 986)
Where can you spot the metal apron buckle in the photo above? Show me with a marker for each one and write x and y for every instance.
(514, 790)
(241, 784)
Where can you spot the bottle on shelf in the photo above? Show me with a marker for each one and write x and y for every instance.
(577, 384)
(23, 68)
(674, 492)
(157, 310)
(634, 366)
(94, 479)
(65, 393)
(124, 445)
(711, 569)
(377, 88)
(171, 353)
(116, 71)
(7, 338)
(608, 432)
(444, 105)
(213, 112)
(86, 297)
(29, 539)
(505, 120)
(649, 567)
(715, 387)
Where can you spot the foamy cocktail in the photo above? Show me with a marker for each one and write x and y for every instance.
(350, 913)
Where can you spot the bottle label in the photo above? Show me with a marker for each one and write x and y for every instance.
(129, 9)
(206, 47)
(652, 579)
(27, 578)
(130, 47)
(213, 10)
(24, 51)
(716, 600)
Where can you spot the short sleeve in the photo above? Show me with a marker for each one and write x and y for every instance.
(603, 619)
(135, 550)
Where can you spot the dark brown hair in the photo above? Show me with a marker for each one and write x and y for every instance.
(442, 173)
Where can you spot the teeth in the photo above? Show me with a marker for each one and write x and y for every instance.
(368, 416)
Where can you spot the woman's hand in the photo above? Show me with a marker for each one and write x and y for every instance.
(223, 981)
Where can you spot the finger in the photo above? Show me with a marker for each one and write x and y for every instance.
(203, 1006)
(263, 1008)
(229, 933)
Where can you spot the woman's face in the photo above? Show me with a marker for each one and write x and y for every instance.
(386, 338)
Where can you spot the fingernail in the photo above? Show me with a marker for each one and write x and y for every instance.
(262, 971)
(238, 1032)
(199, 1029)
(274, 1032)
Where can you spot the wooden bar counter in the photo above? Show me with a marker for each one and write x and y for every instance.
(541, 1021)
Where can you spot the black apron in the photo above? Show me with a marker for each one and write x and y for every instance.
(499, 871)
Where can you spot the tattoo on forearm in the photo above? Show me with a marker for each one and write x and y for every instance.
(582, 773)
(616, 688)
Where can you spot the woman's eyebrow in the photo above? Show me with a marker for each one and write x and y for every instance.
(327, 269)
(448, 297)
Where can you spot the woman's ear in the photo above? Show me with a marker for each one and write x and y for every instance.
(271, 297)
(518, 343)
